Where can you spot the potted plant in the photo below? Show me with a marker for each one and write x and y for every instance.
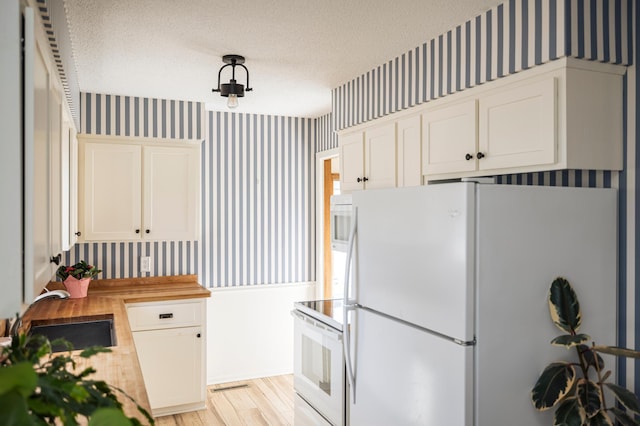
(578, 388)
(76, 278)
(38, 388)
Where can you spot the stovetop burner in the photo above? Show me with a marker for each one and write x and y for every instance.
(326, 311)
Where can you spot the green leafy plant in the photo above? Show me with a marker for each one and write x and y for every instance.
(578, 389)
(80, 270)
(38, 388)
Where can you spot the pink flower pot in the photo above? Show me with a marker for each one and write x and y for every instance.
(77, 288)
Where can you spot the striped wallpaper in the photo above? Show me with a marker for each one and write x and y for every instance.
(258, 200)
(511, 37)
(132, 116)
(326, 138)
(54, 21)
(140, 117)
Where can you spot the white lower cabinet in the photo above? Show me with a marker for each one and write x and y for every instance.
(170, 343)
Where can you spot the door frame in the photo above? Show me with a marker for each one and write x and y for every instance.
(320, 158)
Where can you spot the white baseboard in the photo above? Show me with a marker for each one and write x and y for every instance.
(250, 331)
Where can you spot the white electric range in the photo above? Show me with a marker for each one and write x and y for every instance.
(319, 369)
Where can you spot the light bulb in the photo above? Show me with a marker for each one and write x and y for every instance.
(233, 101)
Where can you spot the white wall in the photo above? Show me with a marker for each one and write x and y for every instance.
(250, 331)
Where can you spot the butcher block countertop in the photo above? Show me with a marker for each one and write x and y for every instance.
(107, 299)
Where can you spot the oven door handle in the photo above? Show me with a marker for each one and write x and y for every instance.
(325, 330)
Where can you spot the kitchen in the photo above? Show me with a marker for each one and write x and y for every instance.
(239, 296)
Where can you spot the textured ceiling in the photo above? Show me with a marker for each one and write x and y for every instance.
(296, 50)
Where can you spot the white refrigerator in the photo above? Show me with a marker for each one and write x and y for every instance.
(448, 301)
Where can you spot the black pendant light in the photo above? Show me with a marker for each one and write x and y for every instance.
(232, 90)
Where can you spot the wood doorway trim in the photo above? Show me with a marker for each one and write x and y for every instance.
(329, 178)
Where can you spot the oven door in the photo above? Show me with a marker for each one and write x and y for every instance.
(318, 367)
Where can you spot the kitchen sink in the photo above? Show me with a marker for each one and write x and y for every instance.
(81, 334)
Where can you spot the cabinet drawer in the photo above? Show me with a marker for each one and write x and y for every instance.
(153, 315)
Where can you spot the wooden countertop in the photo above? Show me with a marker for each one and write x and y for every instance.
(107, 299)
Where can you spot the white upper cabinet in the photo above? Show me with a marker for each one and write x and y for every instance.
(409, 151)
(380, 156)
(38, 268)
(517, 126)
(449, 142)
(171, 192)
(368, 158)
(351, 161)
(112, 174)
(136, 189)
(566, 114)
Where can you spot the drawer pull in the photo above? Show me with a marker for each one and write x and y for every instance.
(166, 316)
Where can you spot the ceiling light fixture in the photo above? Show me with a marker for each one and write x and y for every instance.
(232, 90)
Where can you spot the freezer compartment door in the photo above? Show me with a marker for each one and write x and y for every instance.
(406, 376)
(415, 251)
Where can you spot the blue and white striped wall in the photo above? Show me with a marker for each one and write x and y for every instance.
(506, 39)
(326, 138)
(258, 198)
(258, 193)
(139, 117)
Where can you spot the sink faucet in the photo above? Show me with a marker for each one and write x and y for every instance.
(61, 294)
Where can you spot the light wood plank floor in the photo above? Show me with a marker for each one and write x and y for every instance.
(266, 401)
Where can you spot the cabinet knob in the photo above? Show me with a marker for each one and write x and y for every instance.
(359, 180)
(480, 155)
(56, 259)
(468, 157)
(77, 234)
(137, 231)
(364, 179)
(198, 335)
(147, 231)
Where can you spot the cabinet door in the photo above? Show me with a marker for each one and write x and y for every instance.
(37, 225)
(449, 139)
(409, 152)
(351, 162)
(380, 157)
(172, 365)
(112, 191)
(74, 232)
(171, 193)
(518, 126)
(69, 184)
(55, 167)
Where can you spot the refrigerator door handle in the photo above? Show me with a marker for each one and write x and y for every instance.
(346, 341)
(347, 269)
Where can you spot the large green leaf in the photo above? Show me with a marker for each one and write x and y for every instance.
(600, 419)
(569, 413)
(591, 357)
(552, 385)
(590, 397)
(569, 340)
(109, 417)
(564, 306)
(626, 397)
(618, 351)
(21, 377)
(623, 417)
(13, 409)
